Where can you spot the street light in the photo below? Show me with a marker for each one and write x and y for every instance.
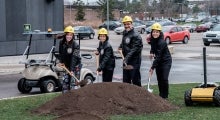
(181, 9)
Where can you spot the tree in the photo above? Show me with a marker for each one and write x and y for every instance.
(120, 5)
(135, 6)
(196, 9)
(80, 11)
(103, 9)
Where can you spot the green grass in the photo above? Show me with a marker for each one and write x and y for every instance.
(181, 23)
(19, 109)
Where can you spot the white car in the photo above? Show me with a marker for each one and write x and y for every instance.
(212, 36)
(137, 26)
(190, 27)
(119, 30)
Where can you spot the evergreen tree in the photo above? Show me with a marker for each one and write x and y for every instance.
(103, 9)
(80, 11)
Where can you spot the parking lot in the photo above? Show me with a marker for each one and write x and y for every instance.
(187, 64)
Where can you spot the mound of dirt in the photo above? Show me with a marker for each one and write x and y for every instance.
(105, 99)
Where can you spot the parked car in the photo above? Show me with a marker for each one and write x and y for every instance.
(212, 36)
(189, 20)
(137, 26)
(149, 23)
(162, 23)
(139, 21)
(190, 27)
(85, 31)
(173, 34)
(119, 30)
(112, 25)
(202, 28)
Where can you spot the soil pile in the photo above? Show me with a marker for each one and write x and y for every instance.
(105, 99)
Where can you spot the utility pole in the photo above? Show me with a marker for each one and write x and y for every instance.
(181, 9)
(107, 15)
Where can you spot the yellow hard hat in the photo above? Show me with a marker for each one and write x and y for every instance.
(103, 31)
(127, 19)
(156, 26)
(69, 29)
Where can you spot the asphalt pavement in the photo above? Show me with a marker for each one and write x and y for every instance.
(11, 65)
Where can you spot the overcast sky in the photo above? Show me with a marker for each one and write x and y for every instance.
(85, 1)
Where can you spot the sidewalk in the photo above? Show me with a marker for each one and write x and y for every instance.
(10, 64)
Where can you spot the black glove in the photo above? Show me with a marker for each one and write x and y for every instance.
(99, 70)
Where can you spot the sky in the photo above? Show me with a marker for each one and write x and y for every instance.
(85, 1)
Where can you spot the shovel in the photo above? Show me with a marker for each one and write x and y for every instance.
(149, 78)
(148, 84)
(127, 67)
(78, 82)
(97, 66)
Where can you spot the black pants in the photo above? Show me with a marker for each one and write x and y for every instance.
(107, 75)
(162, 73)
(132, 76)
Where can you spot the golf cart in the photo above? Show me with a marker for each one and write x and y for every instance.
(44, 72)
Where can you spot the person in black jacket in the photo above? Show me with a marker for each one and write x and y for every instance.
(69, 53)
(106, 56)
(131, 47)
(162, 59)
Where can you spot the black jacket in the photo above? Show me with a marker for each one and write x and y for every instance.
(69, 54)
(160, 49)
(132, 47)
(106, 56)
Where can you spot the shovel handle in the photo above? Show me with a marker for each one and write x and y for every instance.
(64, 67)
(97, 61)
(120, 51)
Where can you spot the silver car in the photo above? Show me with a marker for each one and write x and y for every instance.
(137, 26)
(212, 36)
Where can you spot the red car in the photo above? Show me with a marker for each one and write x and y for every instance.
(173, 34)
(202, 28)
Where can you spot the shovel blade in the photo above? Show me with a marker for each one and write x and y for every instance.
(82, 83)
(128, 67)
(148, 86)
(150, 90)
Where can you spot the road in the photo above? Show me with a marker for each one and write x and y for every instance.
(184, 69)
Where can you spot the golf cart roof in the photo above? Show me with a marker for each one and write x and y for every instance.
(37, 32)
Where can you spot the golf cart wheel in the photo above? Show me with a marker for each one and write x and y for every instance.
(187, 98)
(23, 87)
(47, 86)
(216, 98)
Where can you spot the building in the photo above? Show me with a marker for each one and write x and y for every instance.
(41, 14)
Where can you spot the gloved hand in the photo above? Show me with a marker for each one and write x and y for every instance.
(72, 73)
(99, 70)
(96, 52)
(151, 72)
(125, 62)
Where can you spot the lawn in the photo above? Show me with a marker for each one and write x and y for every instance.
(19, 108)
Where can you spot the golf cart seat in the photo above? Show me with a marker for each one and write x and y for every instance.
(32, 62)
